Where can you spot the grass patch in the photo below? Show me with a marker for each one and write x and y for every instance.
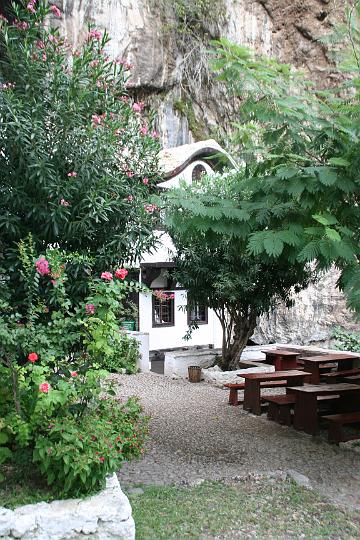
(23, 485)
(246, 509)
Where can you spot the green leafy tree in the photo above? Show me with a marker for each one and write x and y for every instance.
(218, 272)
(296, 194)
(78, 158)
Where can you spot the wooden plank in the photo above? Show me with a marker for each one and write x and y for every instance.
(329, 358)
(279, 352)
(274, 375)
(326, 388)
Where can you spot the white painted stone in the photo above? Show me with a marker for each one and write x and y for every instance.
(104, 516)
(143, 340)
(217, 377)
(177, 362)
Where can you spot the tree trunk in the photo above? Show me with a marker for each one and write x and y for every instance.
(243, 329)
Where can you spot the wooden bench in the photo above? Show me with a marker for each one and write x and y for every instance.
(235, 387)
(337, 421)
(333, 375)
(280, 406)
(353, 379)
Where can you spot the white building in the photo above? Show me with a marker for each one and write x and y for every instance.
(166, 320)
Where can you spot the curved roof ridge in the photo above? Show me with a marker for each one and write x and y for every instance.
(173, 160)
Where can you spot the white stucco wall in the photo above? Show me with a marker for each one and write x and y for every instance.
(172, 336)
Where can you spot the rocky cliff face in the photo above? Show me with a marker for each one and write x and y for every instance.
(168, 50)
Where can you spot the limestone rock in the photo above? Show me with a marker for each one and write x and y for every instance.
(104, 516)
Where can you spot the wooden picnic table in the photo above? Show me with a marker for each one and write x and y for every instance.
(281, 359)
(252, 391)
(312, 364)
(306, 402)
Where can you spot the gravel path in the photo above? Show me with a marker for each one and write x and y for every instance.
(196, 435)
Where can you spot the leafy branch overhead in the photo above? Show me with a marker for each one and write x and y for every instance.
(296, 194)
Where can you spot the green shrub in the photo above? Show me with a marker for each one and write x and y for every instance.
(346, 341)
(55, 398)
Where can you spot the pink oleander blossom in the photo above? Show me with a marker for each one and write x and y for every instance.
(145, 181)
(90, 309)
(3, 18)
(63, 202)
(21, 25)
(107, 276)
(150, 208)
(154, 134)
(138, 107)
(52, 38)
(130, 198)
(44, 387)
(56, 11)
(31, 6)
(144, 130)
(42, 266)
(94, 63)
(44, 57)
(40, 44)
(121, 273)
(129, 174)
(72, 174)
(95, 34)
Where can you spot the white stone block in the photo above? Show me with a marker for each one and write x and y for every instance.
(104, 516)
(143, 340)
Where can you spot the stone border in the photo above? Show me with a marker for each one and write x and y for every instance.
(106, 516)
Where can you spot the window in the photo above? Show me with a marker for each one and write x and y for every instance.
(163, 308)
(198, 314)
(198, 172)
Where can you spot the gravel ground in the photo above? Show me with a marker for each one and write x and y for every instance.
(196, 435)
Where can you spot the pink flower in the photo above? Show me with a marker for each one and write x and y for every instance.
(76, 54)
(130, 198)
(145, 181)
(3, 18)
(154, 134)
(94, 63)
(96, 119)
(32, 357)
(40, 44)
(72, 173)
(144, 130)
(125, 99)
(90, 309)
(138, 107)
(130, 174)
(95, 34)
(42, 266)
(63, 202)
(44, 387)
(73, 373)
(52, 38)
(30, 7)
(53, 282)
(150, 208)
(102, 459)
(56, 11)
(21, 25)
(44, 57)
(121, 273)
(107, 276)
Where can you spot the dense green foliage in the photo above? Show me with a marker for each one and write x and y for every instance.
(219, 273)
(295, 198)
(346, 341)
(78, 159)
(55, 399)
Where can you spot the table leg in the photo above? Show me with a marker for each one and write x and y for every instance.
(305, 413)
(252, 399)
(289, 363)
(314, 369)
(278, 364)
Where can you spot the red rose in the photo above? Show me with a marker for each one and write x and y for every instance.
(32, 357)
(121, 273)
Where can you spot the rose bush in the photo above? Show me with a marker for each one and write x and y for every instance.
(55, 398)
